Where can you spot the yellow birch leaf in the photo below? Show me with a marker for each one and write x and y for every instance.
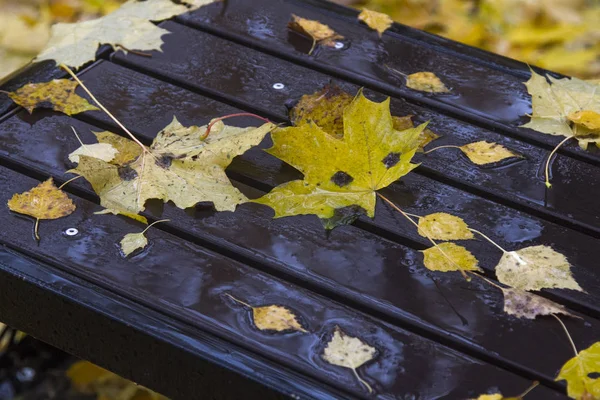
(483, 152)
(318, 32)
(133, 241)
(527, 305)
(273, 317)
(58, 94)
(348, 352)
(586, 118)
(536, 268)
(45, 201)
(443, 226)
(426, 82)
(101, 151)
(578, 374)
(449, 256)
(127, 150)
(342, 172)
(376, 20)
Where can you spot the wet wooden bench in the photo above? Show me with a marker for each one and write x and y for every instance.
(161, 318)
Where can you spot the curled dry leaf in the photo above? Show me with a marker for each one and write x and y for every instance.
(443, 226)
(536, 268)
(101, 151)
(556, 105)
(373, 155)
(579, 373)
(178, 166)
(483, 152)
(449, 257)
(58, 94)
(376, 20)
(348, 352)
(45, 201)
(129, 27)
(273, 317)
(527, 305)
(318, 32)
(426, 82)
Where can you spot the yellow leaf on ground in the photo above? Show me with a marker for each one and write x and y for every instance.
(426, 82)
(536, 268)
(348, 352)
(133, 241)
(483, 152)
(448, 256)
(127, 150)
(527, 305)
(376, 20)
(578, 372)
(496, 396)
(129, 27)
(45, 201)
(425, 137)
(58, 94)
(586, 118)
(318, 32)
(101, 151)
(443, 226)
(342, 172)
(273, 317)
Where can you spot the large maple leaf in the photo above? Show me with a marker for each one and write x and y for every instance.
(179, 166)
(342, 173)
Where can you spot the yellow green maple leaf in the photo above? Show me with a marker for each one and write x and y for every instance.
(578, 374)
(342, 172)
(179, 166)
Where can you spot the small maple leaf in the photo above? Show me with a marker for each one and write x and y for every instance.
(318, 32)
(58, 94)
(342, 172)
(579, 373)
(129, 27)
(564, 107)
(348, 352)
(535, 268)
(272, 317)
(376, 20)
(45, 201)
(179, 166)
(443, 226)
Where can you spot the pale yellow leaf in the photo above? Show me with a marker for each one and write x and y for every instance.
(586, 118)
(376, 20)
(101, 151)
(449, 256)
(483, 152)
(127, 150)
(527, 305)
(443, 226)
(426, 82)
(318, 32)
(277, 318)
(133, 241)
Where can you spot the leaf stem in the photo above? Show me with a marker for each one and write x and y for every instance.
(489, 240)
(35, 229)
(413, 215)
(487, 280)
(5, 92)
(63, 66)
(448, 146)
(395, 207)
(154, 223)
(79, 139)
(214, 121)
(547, 169)
(396, 71)
(568, 335)
(529, 389)
(314, 44)
(69, 181)
(239, 301)
(369, 388)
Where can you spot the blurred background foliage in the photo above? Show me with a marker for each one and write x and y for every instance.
(560, 35)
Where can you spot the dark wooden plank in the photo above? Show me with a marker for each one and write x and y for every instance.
(288, 245)
(480, 94)
(248, 81)
(187, 282)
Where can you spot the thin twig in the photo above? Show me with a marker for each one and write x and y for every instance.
(154, 223)
(369, 388)
(568, 335)
(69, 181)
(238, 301)
(448, 146)
(529, 389)
(138, 53)
(214, 121)
(487, 280)
(547, 169)
(488, 239)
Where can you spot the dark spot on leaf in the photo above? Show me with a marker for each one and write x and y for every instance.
(164, 161)
(594, 375)
(341, 179)
(391, 159)
(127, 173)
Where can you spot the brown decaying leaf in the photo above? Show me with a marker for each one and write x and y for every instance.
(58, 94)
(272, 317)
(376, 20)
(527, 305)
(483, 152)
(318, 32)
(426, 82)
(45, 201)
